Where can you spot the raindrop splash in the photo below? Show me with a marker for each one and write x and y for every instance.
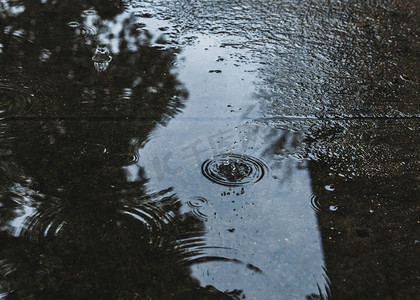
(234, 169)
(101, 58)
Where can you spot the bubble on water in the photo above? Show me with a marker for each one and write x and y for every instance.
(101, 58)
(234, 169)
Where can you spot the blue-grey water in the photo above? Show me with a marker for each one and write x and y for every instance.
(209, 149)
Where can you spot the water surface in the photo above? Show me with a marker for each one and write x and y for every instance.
(209, 150)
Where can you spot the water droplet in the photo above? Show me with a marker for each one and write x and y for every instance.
(330, 187)
(73, 24)
(333, 207)
(405, 77)
(89, 12)
(140, 25)
(146, 15)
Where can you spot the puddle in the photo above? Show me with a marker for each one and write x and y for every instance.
(256, 189)
(198, 150)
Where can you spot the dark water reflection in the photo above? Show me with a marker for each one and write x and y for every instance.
(72, 226)
(114, 115)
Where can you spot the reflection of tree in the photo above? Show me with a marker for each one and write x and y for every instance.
(89, 232)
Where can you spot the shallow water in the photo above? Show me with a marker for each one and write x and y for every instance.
(205, 150)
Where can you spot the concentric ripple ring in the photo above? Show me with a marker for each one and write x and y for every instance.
(234, 169)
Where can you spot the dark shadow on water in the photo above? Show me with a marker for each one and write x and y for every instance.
(72, 225)
(364, 171)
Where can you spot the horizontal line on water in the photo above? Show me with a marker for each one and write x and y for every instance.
(200, 119)
(297, 118)
(100, 119)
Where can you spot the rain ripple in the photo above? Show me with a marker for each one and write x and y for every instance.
(234, 169)
(86, 32)
(194, 250)
(156, 216)
(184, 233)
(24, 203)
(15, 100)
(114, 158)
(46, 223)
(196, 204)
(320, 206)
(153, 217)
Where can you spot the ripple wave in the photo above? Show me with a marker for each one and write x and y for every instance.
(234, 169)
